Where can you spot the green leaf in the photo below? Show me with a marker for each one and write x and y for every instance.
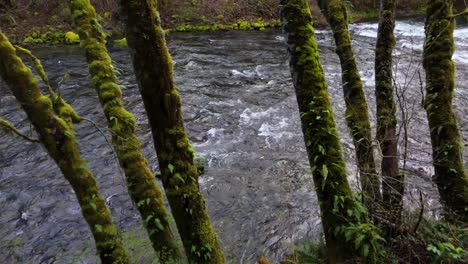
(171, 168)
(141, 203)
(67, 134)
(179, 177)
(93, 205)
(158, 224)
(148, 219)
(366, 250)
(325, 175)
(359, 240)
(98, 228)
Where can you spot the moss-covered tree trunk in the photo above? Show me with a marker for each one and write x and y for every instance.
(58, 137)
(357, 116)
(447, 149)
(141, 183)
(339, 211)
(154, 70)
(392, 180)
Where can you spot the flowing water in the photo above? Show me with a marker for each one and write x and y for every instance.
(242, 117)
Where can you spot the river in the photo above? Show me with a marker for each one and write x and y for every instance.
(241, 116)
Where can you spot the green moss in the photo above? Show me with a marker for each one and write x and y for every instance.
(58, 138)
(121, 42)
(450, 174)
(321, 137)
(141, 184)
(45, 35)
(72, 38)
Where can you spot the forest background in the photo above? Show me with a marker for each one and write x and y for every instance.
(52, 18)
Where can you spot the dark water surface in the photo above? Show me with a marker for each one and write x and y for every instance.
(241, 115)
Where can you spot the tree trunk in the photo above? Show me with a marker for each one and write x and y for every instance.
(447, 150)
(356, 114)
(339, 210)
(392, 181)
(141, 183)
(154, 70)
(58, 137)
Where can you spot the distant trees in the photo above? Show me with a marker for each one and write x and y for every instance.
(447, 150)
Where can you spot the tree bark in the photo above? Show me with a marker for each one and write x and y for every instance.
(58, 137)
(356, 114)
(154, 70)
(392, 181)
(141, 183)
(447, 149)
(339, 210)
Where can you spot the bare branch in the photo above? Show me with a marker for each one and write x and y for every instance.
(10, 127)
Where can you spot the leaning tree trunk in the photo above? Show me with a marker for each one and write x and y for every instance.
(141, 182)
(357, 116)
(340, 213)
(447, 150)
(154, 70)
(58, 137)
(392, 181)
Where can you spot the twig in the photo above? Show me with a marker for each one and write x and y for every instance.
(108, 143)
(10, 127)
(39, 69)
(421, 213)
(464, 12)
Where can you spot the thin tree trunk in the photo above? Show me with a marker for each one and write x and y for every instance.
(141, 183)
(447, 150)
(154, 70)
(392, 181)
(339, 210)
(58, 137)
(356, 114)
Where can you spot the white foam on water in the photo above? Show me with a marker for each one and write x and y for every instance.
(460, 57)
(245, 73)
(248, 116)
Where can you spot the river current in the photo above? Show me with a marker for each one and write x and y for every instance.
(242, 118)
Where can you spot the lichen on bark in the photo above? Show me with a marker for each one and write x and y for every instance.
(141, 183)
(154, 71)
(58, 138)
(356, 114)
(447, 150)
(339, 210)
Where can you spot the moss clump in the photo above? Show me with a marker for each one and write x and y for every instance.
(72, 38)
(121, 42)
(45, 35)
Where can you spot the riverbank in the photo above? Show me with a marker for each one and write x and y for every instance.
(48, 23)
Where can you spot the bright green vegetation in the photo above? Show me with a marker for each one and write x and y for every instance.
(450, 175)
(154, 70)
(57, 135)
(141, 183)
